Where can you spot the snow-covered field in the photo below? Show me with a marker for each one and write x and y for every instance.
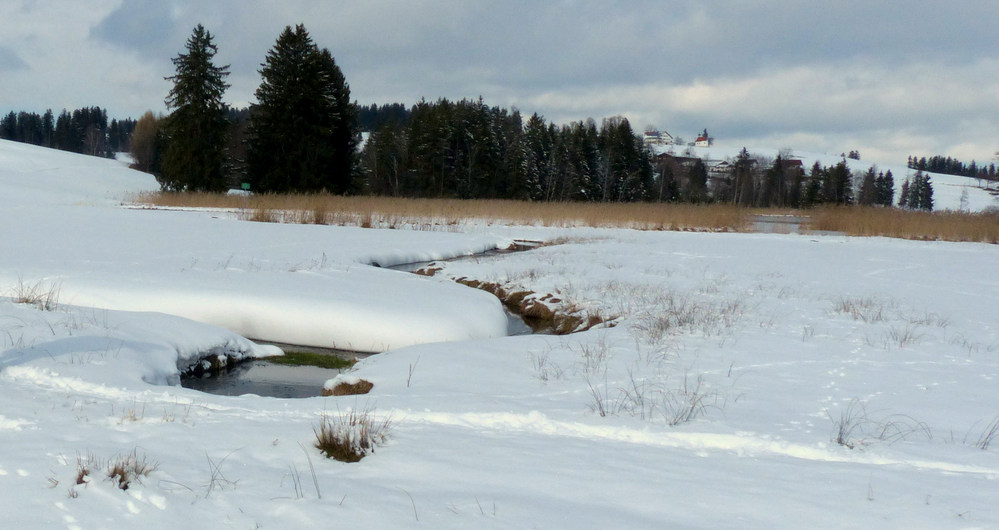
(716, 401)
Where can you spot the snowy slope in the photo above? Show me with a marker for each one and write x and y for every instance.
(766, 343)
(947, 189)
(258, 279)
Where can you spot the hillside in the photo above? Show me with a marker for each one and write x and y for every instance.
(947, 189)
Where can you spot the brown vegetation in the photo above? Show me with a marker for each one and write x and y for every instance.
(350, 436)
(906, 224)
(448, 214)
(545, 313)
(440, 214)
(349, 389)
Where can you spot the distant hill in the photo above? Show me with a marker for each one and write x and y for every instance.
(947, 189)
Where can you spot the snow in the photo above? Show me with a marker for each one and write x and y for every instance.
(947, 189)
(770, 340)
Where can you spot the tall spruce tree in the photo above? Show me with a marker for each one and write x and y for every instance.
(196, 130)
(303, 130)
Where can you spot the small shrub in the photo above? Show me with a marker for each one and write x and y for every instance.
(350, 436)
(349, 388)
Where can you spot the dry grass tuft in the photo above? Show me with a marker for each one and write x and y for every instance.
(123, 470)
(344, 388)
(905, 224)
(44, 297)
(350, 436)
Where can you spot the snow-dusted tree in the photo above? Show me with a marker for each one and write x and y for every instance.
(196, 130)
(303, 130)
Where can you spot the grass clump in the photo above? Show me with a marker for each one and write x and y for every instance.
(350, 436)
(44, 297)
(122, 470)
(301, 358)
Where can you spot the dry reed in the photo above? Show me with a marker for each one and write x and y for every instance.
(907, 224)
(448, 214)
(437, 214)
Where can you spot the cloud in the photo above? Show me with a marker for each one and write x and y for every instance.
(145, 26)
(11, 61)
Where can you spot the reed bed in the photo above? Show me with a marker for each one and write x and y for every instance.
(906, 224)
(440, 214)
(450, 214)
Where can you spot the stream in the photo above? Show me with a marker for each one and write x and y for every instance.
(264, 378)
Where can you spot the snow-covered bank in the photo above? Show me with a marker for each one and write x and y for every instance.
(298, 285)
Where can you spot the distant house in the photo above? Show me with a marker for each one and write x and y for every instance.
(704, 140)
(791, 163)
(657, 138)
(680, 161)
(720, 169)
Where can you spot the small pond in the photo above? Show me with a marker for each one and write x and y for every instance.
(263, 379)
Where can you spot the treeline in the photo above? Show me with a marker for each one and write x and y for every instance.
(467, 149)
(86, 131)
(953, 166)
(373, 117)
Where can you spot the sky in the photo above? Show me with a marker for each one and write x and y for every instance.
(885, 78)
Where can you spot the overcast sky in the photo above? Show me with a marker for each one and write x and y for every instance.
(886, 78)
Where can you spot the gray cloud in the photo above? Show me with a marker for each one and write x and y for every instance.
(143, 26)
(11, 61)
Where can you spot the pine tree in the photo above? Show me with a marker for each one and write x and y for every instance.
(925, 192)
(884, 189)
(196, 131)
(812, 194)
(868, 189)
(903, 197)
(303, 130)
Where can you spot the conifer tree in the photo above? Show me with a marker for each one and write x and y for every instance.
(925, 193)
(884, 189)
(197, 129)
(303, 130)
(868, 189)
